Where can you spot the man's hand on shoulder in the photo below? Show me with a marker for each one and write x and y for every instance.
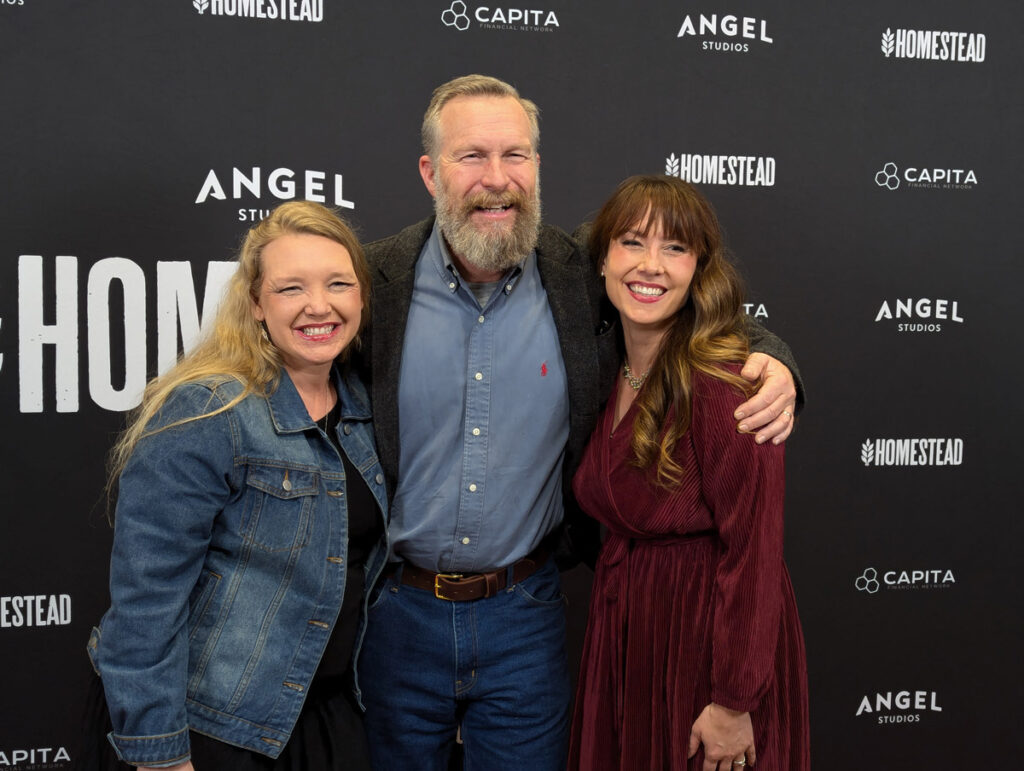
(771, 412)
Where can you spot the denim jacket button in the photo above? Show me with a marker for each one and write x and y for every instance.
(287, 484)
(347, 429)
(379, 479)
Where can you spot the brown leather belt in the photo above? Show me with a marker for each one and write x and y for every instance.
(460, 587)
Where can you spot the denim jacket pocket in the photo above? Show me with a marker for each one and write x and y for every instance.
(279, 513)
(201, 600)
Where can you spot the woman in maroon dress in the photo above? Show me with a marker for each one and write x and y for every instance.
(694, 658)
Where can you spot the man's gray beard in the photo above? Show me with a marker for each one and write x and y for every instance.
(492, 248)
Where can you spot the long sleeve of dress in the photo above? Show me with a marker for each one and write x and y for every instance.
(743, 485)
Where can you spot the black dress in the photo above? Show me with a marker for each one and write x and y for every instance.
(328, 734)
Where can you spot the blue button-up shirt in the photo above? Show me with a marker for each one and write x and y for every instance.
(484, 420)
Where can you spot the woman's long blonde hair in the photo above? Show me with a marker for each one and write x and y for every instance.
(708, 330)
(236, 347)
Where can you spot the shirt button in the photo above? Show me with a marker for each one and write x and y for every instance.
(465, 541)
(347, 430)
(476, 432)
(472, 488)
(451, 285)
(379, 479)
(480, 319)
(508, 287)
(479, 376)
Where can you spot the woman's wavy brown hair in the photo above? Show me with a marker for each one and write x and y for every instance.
(708, 331)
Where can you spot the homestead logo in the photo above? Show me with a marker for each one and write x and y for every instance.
(871, 580)
(35, 610)
(934, 45)
(740, 170)
(33, 758)
(940, 451)
(282, 10)
(458, 14)
(889, 176)
(738, 30)
(923, 314)
(281, 183)
(899, 707)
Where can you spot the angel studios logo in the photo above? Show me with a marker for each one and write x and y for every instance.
(249, 187)
(726, 33)
(922, 314)
(735, 170)
(898, 707)
(934, 45)
(271, 10)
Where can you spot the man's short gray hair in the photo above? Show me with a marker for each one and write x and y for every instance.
(471, 85)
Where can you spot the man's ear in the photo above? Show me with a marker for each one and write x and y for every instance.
(427, 173)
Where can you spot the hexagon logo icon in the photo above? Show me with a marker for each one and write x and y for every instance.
(456, 16)
(888, 177)
(868, 582)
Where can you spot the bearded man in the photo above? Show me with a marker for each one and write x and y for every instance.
(489, 360)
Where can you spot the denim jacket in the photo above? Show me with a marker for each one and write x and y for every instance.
(228, 568)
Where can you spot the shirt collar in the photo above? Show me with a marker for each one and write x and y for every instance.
(441, 258)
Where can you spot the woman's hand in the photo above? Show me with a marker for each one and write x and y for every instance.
(186, 766)
(771, 411)
(727, 736)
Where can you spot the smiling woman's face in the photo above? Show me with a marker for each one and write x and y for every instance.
(647, 278)
(310, 300)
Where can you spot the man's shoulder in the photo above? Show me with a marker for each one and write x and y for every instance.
(554, 243)
(400, 249)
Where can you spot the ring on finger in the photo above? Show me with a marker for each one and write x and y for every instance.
(741, 762)
(789, 415)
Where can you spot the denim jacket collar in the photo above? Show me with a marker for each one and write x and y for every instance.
(289, 415)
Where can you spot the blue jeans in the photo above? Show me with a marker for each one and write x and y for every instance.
(495, 667)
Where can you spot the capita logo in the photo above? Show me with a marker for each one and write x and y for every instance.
(30, 610)
(872, 580)
(757, 310)
(738, 170)
(935, 451)
(933, 44)
(284, 184)
(739, 32)
(33, 758)
(921, 315)
(271, 10)
(459, 16)
(890, 177)
(899, 707)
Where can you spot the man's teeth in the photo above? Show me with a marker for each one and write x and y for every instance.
(495, 208)
(314, 331)
(652, 291)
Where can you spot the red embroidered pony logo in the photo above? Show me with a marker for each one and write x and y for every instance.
(544, 369)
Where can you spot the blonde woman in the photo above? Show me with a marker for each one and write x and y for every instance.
(250, 516)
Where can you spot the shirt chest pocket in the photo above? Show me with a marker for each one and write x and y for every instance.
(279, 507)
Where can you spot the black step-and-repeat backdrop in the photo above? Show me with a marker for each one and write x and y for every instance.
(864, 157)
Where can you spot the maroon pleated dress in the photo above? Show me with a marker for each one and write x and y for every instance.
(692, 602)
